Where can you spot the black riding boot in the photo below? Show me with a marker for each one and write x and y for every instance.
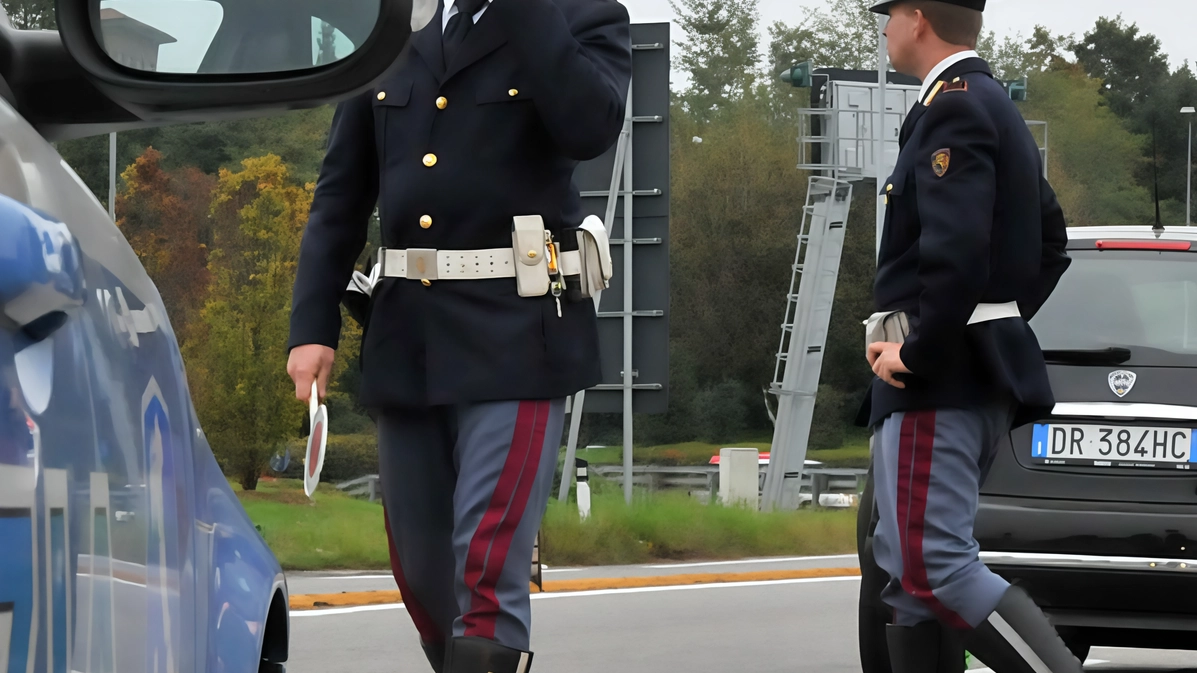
(436, 655)
(1018, 638)
(926, 648)
(480, 655)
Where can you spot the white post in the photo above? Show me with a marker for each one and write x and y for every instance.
(879, 141)
(1189, 111)
(583, 490)
(112, 176)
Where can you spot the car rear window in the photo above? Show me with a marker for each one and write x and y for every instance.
(1135, 299)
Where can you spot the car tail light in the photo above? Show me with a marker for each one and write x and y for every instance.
(1182, 246)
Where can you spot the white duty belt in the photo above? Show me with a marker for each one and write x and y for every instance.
(541, 266)
(430, 264)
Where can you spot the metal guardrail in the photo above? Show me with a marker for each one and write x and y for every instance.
(701, 478)
(367, 486)
(705, 478)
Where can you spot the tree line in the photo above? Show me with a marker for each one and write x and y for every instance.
(1106, 96)
(216, 210)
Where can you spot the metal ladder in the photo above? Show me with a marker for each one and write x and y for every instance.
(804, 330)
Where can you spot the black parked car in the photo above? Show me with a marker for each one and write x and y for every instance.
(1093, 510)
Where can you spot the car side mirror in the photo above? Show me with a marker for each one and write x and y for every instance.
(181, 60)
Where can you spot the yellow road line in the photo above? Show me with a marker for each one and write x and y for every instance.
(359, 598)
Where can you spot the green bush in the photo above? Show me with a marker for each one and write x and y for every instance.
(671, 526)
(346, 457)
(344, 418)
(721, 411)
(827, 428)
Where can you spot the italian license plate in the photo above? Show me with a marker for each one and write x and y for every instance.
(1114, 446)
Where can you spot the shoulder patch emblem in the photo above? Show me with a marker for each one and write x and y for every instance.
(957, 85)
(940, 161)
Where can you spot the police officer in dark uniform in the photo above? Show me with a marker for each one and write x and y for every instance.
(973, 245)
(468, 146)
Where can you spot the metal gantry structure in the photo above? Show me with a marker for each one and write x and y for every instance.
(804, 333)
(650, 59)
(621, 181)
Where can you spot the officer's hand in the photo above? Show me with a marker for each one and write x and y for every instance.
(312, 362)
(886, 361)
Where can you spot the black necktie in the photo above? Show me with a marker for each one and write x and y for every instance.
(459, 26)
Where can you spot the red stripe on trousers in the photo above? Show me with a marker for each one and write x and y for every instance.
(916, 451)
(429, 632)
(492, 540)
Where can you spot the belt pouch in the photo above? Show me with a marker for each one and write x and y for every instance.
(594, 256)
(887, 327)
(531, 256)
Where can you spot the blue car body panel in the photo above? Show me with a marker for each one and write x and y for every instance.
(122, 546)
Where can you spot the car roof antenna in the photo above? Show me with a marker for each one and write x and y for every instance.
(1155, 174)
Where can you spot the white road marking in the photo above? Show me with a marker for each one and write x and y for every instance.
(1088, 662)
(330, 612)
(752, 561)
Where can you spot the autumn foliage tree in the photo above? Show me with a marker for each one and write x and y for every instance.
(164, 216)
(238, 369)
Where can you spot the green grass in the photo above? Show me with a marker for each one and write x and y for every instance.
(334, 532)
(340, 532)
(855, 453)
(675, 527)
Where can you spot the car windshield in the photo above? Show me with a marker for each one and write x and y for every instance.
(1142, 301)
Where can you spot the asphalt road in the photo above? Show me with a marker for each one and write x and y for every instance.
(788, 626)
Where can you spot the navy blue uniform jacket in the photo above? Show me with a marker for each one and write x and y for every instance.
(537, 86)
(988, 230)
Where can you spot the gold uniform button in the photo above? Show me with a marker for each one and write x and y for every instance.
(513, 92)
(426, 282)
(382, 95)
(531, 254)
(442, 103)
(430, 159)
(425, 222)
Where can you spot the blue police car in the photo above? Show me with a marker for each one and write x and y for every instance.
(122, 546)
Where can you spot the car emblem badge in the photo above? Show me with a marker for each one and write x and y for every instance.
(1121, 382)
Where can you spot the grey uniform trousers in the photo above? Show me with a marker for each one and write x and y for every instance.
(929, 466)
(465, 488)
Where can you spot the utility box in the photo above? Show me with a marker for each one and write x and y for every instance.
(739, 477)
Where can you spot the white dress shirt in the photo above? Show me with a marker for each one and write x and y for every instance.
(938, 70)
(451, 11)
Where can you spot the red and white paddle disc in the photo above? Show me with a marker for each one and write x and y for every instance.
(317, 442)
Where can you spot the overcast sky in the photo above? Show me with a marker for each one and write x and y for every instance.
(1173, 21)
(193, 22)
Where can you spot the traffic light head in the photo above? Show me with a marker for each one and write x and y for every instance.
(798, 76)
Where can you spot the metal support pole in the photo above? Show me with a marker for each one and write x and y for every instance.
(575, 414)
(628, 236)
(879, 160)
(1189, 184)
(1046, 150)
(112, 176)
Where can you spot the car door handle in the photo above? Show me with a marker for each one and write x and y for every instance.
(41, 271)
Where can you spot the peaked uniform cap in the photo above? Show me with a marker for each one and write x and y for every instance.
(884, 6)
